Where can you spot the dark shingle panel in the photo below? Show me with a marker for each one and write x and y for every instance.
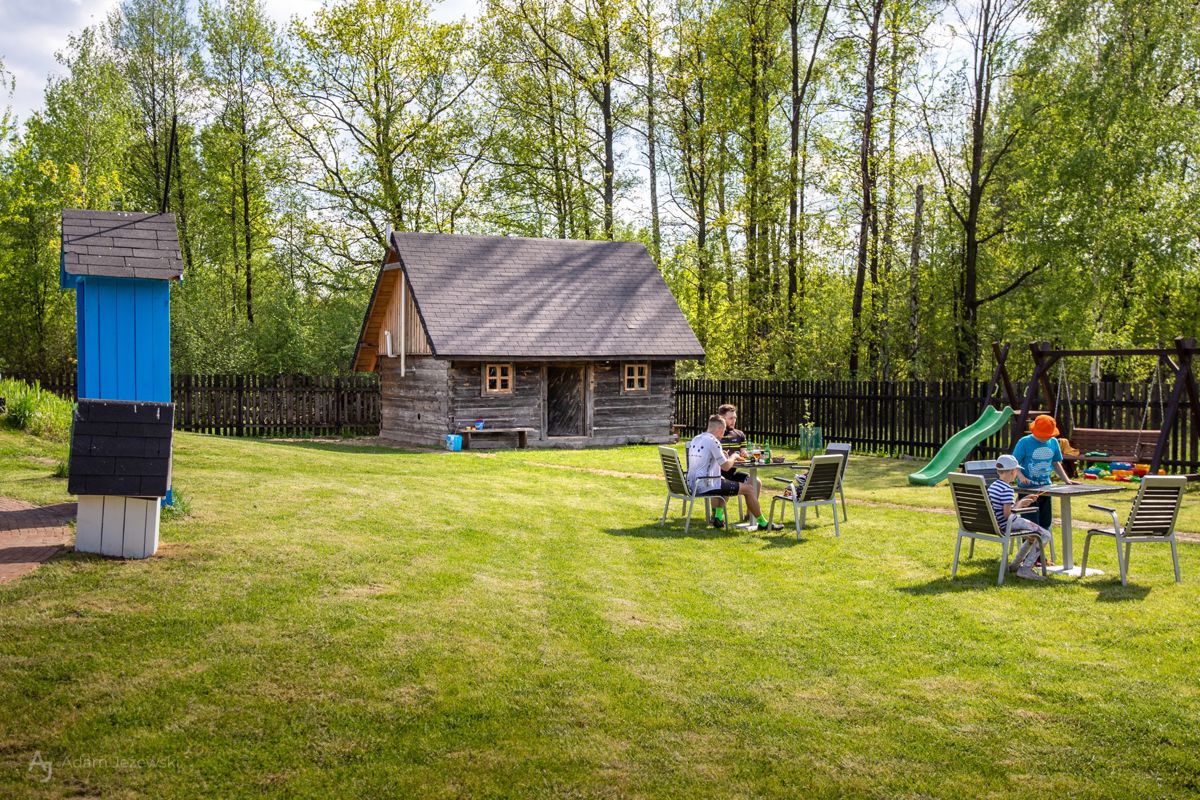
(498, 296)
(121, 447)
(120, 244)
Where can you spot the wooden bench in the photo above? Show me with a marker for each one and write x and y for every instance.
(522, 434)
(1118, 445)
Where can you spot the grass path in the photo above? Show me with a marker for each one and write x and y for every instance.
(339, 620)
(854, 497)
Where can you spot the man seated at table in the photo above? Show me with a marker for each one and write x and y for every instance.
(728, 412)
(706, 461)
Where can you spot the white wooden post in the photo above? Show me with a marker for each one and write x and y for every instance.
(123, 527)
(403, 321)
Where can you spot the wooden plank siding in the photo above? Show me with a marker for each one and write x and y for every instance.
(522, 408)
(634, 416)
(611, 416)
(416, 343)
(415, 408)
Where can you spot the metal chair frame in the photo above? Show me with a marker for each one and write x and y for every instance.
(839, 448)
(1151, 519)
(977, 520)
(987, 468)
(677, 488)
(819, 488)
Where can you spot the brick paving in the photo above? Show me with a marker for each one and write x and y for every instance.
(30, 535)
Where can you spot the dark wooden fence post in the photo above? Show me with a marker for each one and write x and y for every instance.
(239, 400)
(338, 401)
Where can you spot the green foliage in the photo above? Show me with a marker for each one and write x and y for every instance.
(180, 507)
(41, 413)
(334, 616)
(301, 146)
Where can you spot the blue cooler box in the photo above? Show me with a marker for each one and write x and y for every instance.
(453, 442)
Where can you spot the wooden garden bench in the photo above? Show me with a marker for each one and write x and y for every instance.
(522, 435)
(1118, 445)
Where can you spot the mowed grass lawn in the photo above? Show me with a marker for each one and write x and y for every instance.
(334, 620)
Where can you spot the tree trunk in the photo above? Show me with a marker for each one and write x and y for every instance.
(610, 167)
(886, 248)
(651, 142)
(867, 189)
(247, 234)
(914, 298)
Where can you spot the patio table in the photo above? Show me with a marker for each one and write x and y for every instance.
(753, 467)
(1064, 492)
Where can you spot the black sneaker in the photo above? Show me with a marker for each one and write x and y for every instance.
(718, 522)
(770, 526)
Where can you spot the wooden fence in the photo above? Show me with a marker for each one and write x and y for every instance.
(917, 417)
(263, 405)
(893, 417)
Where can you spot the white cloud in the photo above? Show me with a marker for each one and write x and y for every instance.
(31, 31)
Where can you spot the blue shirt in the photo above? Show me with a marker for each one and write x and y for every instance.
(1000, 493)
(1037, 458)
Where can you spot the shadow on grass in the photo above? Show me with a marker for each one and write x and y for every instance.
(352, 446)
(781, 539)
(970, 579)
(674, 530)
(1111, 591)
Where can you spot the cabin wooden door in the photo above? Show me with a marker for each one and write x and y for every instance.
(564, 401)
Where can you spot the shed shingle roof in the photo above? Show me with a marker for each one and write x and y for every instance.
(122, 448)
(120, 244)
(499, 296)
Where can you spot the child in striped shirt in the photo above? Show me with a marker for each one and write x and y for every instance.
(1004, 500)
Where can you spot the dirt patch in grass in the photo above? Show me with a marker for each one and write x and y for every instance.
(608, 473)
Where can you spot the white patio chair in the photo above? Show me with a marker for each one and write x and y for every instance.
(818, 488)
(987, 469)
(1152, 519)
(677, 487)
(843, 450)
(976, 520)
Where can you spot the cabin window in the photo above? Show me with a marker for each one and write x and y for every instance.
(637, 377)
(498, 379)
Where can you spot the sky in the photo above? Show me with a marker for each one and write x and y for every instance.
(31, 31)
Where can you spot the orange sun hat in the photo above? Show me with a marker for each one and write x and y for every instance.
(1044, 427)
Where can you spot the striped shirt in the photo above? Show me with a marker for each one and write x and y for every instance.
(1000, 492)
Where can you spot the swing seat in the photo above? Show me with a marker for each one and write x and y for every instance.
(1117, 445)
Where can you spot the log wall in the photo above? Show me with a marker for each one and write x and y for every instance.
(523, 408)
(634, 416)
(416, 407)
(611, 416)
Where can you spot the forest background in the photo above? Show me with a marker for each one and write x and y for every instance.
(832, 189)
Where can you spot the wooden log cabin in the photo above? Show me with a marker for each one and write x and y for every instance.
(574, 342)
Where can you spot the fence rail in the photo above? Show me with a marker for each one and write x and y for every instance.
(893, 417)
(917, 417)
(262, 405)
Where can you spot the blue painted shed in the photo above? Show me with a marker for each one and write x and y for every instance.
(120, 265)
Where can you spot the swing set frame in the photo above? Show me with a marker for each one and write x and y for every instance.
(1179, 359)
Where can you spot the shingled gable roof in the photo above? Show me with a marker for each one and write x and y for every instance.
(121, 447)
(120, 244)
(506, 297)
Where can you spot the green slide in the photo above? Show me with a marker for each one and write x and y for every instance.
(960, 445)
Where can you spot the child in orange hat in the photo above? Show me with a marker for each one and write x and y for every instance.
(1040, 457)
